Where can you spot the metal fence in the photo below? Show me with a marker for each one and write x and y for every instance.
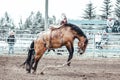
(111, 49)
(107, 49)
(21, 46)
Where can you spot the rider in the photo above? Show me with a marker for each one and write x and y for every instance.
(64, 19)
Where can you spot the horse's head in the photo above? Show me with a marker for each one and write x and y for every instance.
(82, 45)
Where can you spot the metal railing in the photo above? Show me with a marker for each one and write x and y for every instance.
(111, 49)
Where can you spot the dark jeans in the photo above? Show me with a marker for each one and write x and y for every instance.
(108, 29)
(114, 29)
(98, 44)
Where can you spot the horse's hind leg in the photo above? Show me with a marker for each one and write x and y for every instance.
(38, 56)
(35, 66)
(36, 63)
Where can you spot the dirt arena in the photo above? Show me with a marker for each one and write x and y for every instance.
(80, 69)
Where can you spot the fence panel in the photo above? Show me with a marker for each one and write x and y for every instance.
(111, 49)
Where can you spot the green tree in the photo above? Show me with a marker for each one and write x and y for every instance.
(29, 21)
(1, 22)
(106, 9)
(89, 12)
(20, 24)
(38, 24)
(35, 22)
(6, 22)
(117, 9)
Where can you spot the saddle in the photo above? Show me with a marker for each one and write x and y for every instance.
(51, 36)
(53, 27)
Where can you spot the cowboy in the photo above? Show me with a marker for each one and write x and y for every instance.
(11, 42)
(62, 22)
(64, 19)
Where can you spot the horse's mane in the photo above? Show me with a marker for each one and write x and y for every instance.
(76, 28)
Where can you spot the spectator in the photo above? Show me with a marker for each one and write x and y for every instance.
(105, 38)
(89, 35)
(98, 40)
(116, 26)
(110, 24)
(11, 42)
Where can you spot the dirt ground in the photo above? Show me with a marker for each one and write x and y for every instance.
(80, 69)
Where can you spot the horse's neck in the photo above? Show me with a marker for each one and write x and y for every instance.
(80, 38)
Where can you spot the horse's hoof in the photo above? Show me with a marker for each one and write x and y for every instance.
(33, 68)
(23, 66)
(34, 72)
(42, 73)
(69, 63)
(28, 72)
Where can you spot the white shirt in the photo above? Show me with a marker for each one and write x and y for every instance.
(110, 23)
(98, 38)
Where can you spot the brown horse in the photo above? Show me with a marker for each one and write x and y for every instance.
(56, 38)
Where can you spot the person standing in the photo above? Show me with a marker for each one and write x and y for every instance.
(116, 25)
(11, 42)
(98, 38)
(110, 24)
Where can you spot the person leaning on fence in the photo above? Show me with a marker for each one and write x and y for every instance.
(116, 26)
(11, 42)
(110, 24)
(98, 38)
(105, 38)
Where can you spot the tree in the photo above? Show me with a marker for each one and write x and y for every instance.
(20, 24)
(106, 9)
(6, 22)
(38, 24)
(89, 12)
(117, 9)
(35, 23)
(29, 21)
(38, 20)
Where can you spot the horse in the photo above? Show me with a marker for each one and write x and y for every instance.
(56, 38)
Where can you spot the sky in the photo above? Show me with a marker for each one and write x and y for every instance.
(22, 8)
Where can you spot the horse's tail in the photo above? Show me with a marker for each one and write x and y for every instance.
(30, 52)
(30, 58)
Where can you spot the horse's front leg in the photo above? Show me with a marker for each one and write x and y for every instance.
(70, 49)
